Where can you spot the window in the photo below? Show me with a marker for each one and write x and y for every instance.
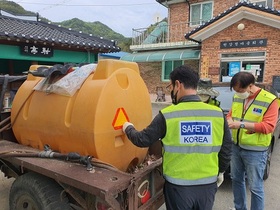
(263, 2)
(200, 13)
(168, 66)
(253, 62)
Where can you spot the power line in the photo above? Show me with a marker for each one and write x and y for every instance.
(51, 6)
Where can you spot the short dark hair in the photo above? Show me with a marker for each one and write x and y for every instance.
(185, 75)
(242, 80)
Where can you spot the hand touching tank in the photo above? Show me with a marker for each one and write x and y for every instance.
(125, 125)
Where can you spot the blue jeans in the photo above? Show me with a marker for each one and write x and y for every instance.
(251, 163)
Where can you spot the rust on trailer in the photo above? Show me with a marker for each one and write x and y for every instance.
(101, 182)
(70, 173)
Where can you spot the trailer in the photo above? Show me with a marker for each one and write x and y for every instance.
(40, 150)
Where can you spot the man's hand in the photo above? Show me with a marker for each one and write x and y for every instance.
(220, 178)
(229, 120)
(234, 124)
(125, 125)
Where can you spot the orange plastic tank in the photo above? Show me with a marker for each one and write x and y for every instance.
(90, 121)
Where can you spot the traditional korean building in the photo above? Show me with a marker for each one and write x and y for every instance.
(27, 40)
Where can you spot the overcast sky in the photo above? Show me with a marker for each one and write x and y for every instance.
(120, 15)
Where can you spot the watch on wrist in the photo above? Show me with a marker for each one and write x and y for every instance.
(242, 125)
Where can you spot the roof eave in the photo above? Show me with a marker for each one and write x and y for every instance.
(59, 45)
(166, 3)
(228, 20)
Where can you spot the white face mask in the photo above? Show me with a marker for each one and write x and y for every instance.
(243, 95)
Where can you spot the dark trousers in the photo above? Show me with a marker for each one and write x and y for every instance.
(200, 197)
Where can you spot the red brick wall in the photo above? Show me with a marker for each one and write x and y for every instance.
(253, 30)
(222, 5)
(178, 21)
(211, 47)
(276, 4)
(179, 14)
(219, 5)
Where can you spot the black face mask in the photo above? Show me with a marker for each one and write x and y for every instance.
(174, 97)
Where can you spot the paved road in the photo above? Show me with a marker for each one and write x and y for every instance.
(224, 199)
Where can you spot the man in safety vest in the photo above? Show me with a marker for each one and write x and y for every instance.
(206, 92)
(252, 118)
(196, 144)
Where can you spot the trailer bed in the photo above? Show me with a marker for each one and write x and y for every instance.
(102, 182)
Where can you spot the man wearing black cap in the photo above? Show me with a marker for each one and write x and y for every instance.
(206, 92)
(196, 144)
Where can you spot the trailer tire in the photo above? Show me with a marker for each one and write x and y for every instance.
(34, 191)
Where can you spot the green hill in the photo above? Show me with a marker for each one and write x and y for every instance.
(95, 28)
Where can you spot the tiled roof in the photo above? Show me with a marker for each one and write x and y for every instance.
(114, 55)
(13, 29)
(231, 9)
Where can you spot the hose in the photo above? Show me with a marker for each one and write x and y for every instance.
(54, 155)
(105, 165)
(6, 127)
(5, 120)
(72, 157)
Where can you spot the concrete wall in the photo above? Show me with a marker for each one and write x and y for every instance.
(152, 72)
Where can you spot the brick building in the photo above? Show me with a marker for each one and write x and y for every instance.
(218, 37)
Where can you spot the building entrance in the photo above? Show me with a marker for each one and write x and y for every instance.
(250, 62)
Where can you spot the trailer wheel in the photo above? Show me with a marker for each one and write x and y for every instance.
(32, 191)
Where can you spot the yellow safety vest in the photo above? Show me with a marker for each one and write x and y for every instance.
(194, 135)
(214, 102)
(254, 114)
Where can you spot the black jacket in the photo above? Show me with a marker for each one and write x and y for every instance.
(157, 130)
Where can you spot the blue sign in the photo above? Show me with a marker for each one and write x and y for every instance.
(234, 67)
(195, 128)
(198, 132)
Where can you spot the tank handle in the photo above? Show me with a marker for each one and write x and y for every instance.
(108, 66)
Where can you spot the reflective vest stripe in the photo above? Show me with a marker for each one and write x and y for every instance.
(238, 100)
(185, 113)
(244, 120)
(211, 179)
(262, 103)
(256, 102)
(193, 149)
(182, 158)
(254, 148)
(254, 114)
